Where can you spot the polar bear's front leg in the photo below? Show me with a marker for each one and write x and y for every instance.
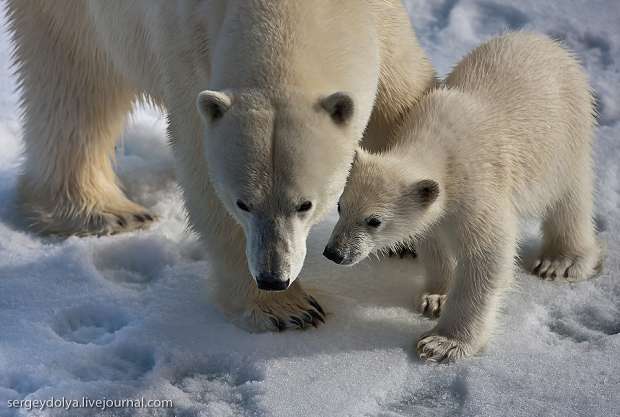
(485, 267)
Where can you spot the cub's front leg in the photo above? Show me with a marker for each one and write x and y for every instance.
(486, 249)
(439, 265)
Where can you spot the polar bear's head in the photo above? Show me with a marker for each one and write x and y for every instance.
(277, 164)
(386, 201)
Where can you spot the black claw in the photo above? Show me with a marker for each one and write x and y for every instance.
(278, 324)
(316, 305)
(307, 317)
(544, 275)
(138, 218)
(121, 221)
(297, 321)
(447, 356)
(148, 217)
(566, 273)
(554, 275)
(537, 269)
(316, 316)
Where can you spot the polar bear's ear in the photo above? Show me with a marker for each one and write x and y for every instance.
(339, 106)
(213, 104)
(425, 192)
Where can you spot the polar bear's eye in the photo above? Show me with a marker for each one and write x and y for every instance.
(242, 206)
(373, 222)
(338, 208)
(305, 206)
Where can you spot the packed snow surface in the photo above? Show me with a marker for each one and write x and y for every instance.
(126, 316)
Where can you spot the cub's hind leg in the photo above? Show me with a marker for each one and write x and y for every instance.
(570, 249)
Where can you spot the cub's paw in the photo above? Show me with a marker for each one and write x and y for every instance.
(567, 268)
(436, 348)
(432, 304)
(290, 309)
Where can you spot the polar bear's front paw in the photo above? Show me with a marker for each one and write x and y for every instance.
(290, 309)
(566, 268)
(432, 304)
(437, 348)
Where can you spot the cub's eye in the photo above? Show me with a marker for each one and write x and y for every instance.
(305, 206)
(243, 206)
(338, 208)
(373, 222)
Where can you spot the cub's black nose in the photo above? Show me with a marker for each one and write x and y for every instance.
(267, 281)
(333, 255)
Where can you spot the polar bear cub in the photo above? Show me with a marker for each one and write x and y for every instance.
(509, 135)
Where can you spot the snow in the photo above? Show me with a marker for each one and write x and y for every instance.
(126, 316)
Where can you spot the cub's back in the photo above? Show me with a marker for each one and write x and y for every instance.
(526, 66)
(540, 101)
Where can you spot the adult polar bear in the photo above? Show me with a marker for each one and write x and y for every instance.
(293, 86)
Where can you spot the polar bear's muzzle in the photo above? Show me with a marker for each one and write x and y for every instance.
(275, 252)
(268, 281)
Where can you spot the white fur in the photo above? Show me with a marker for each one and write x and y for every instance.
(509, 135)
(81, 64)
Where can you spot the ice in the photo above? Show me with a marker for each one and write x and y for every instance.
(127, 316)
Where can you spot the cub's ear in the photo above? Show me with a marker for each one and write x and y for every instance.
(339, 106)
(425, 192)
(212, 105)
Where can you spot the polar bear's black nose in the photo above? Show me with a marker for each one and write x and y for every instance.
(333, 255)
(267, 281)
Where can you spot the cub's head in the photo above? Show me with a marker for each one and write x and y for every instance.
(278, 164)
(385, 202)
